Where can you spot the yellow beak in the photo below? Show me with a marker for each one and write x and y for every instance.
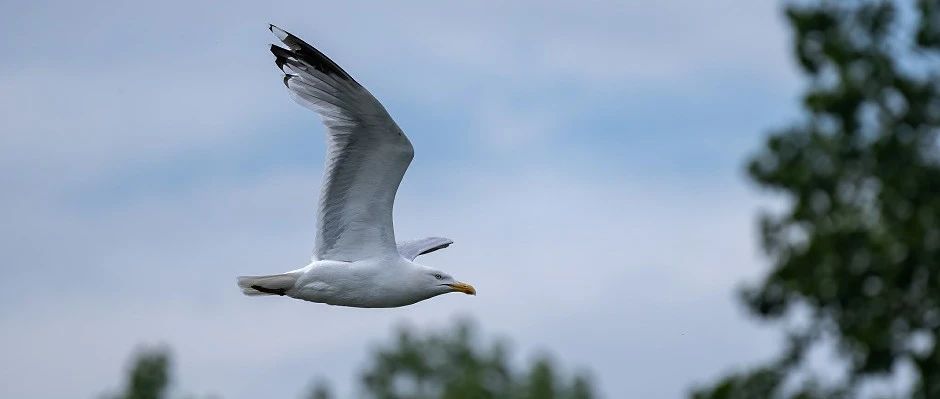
(463, 287)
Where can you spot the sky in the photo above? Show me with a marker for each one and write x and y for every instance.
(586, 157)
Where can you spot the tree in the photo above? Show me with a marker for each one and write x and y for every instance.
(541, 381)
(148, 377)
(858, 246)
(453, 365)
(320, 390)
(449, 364)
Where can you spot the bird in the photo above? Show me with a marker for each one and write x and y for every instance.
(356, 261)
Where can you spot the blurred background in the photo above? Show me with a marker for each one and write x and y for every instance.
(654, 199)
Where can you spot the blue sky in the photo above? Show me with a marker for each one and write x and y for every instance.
(586, 157)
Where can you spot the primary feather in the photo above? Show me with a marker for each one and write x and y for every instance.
(367, 154)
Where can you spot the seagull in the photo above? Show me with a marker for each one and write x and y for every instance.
(356, 261)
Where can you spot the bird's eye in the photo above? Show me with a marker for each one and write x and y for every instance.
(438, 276)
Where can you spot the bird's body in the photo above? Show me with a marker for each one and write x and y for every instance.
(366, 283)
(356, 261)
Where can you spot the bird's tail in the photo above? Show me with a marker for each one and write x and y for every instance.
(275, 284)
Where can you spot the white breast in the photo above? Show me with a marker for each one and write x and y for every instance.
(367, 283)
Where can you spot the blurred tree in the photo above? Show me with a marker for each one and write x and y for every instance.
(858, 246)
(321, 390)
(452, 365)
(541, 383)
(148, 377)
(581, 388)
(443, 365)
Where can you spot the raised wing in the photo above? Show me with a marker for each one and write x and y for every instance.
(411, 249)
(367, 154)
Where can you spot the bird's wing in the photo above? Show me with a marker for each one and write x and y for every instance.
(367, 154)
(411, 249)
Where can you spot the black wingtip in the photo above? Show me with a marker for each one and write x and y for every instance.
(281, 34)
(287, 79)
(281, 51)
(280, 55)
(301, 50)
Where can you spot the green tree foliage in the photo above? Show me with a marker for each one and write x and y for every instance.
(321, 390)
(581, 388)
(858, 246)
(541, 381)
(449, 364)
(148, 377)
(453, 365)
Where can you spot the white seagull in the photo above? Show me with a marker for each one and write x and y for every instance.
(356, 261)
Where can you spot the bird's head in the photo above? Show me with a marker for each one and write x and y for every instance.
(439, 283)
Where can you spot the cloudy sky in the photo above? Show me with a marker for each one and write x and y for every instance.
(586, 157)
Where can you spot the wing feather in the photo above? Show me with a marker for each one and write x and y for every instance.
(412, 249)
(367, 154)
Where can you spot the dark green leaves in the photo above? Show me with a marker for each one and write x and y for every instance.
(858, 246)
(148, 377)
(456, 365)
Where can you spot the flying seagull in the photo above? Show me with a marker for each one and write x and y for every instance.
(356, 261)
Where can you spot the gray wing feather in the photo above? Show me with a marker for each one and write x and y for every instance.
(366, 158)
(412, 249)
